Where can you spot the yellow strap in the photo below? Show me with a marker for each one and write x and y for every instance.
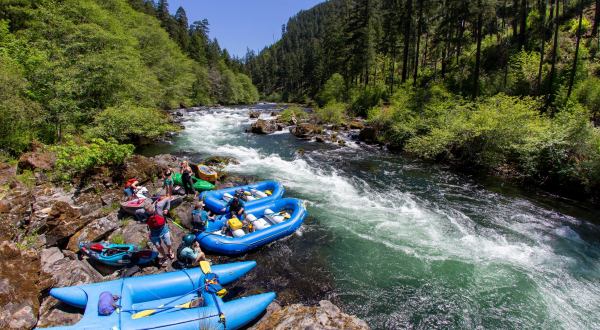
(205, 266)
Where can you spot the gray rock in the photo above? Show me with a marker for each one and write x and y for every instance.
(326, 316)
(55, 313)
(263, 126)
(94, 231)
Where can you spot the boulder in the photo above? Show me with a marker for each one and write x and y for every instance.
(21, 281)
(184, 214)
(254, 114)
(263, 126)
(132, 232)
(68, 270)
(326, 316)
(320, 138)
(142, 168)
(94, 231)
(306, 130)
(368, 135)
(54, 313)
(36, 160)
(63, 221)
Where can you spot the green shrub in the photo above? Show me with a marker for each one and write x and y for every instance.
(292, 112)
(333, 90)
(364, 98)
(588, 94)
(77, 157)
(332, 113)
(118, 239)
(127, 123)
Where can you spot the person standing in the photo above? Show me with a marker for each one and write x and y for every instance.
(159, 232)
(186, 177)
(168, 183)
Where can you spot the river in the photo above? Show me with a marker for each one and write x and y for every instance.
(406, 244)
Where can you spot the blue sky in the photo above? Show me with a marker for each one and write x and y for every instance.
(238, 24)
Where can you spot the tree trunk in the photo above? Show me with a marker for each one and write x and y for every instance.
(515, 18)
(574, 69)
(596, 19)
(542, 46)
(478, 53)
(420, 27)
(406, 49)
(550, 96)
(523, 18)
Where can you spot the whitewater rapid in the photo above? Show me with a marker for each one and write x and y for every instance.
(429, 242)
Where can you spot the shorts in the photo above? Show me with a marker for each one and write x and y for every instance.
(164, 236)
(128, 192)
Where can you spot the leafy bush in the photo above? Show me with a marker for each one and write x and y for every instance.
(363, 99)
(588, 94)
(334, 90)
(77, 157)
(293, 112)
(128, 123)
(332, 113)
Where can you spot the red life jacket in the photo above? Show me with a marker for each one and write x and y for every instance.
(130, 182)
(155, 221)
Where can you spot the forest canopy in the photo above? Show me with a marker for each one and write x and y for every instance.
(65, 66)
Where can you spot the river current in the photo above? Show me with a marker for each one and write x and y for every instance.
(405, 244)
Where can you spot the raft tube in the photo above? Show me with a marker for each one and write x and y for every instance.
(198, 184)
(268, 228)
(131, 206)
(117, 254)
(174, 288)
(204, 172)
(215, 201)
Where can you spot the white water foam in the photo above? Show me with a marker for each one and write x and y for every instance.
(404, 223)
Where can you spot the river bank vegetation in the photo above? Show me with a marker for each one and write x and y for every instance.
(104, 70)
(507, 87)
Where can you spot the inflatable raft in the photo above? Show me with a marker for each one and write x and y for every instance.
(198, 184)
(255, 194)
(117, 254)
(204, 172)
(172, 289)
(270, 222)
(131, 206)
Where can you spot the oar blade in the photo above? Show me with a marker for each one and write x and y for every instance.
(145, 313)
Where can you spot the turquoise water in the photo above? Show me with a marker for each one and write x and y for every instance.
(404, 244)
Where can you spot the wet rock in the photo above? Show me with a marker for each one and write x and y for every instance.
(320, 138)
(220, 160)
(21, 281)
(254, 114)
(63, 220)
(306, 130)
(326, 316)
(96, 230)
(263, 126)
(274, 113)
(368, 135)
(36, 160)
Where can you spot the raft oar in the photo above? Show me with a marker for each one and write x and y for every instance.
(205, 267)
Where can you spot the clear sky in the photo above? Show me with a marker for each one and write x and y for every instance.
(241, 24)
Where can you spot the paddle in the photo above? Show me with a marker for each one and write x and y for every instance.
(205, 267)
(148, 312)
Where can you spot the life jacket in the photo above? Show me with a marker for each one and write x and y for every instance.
(130, 182)
(212, 285)
(197, 221)
(155, 221)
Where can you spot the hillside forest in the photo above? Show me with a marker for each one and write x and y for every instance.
(509, 87)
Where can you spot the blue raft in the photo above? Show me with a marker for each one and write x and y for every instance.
(117, 254)
(256, 194)
(271, 221)
(174, 288)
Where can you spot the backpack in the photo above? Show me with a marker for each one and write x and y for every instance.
(155, 221)
(130, 182)
(197, 221)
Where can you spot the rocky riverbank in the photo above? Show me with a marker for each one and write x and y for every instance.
(41, 225)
